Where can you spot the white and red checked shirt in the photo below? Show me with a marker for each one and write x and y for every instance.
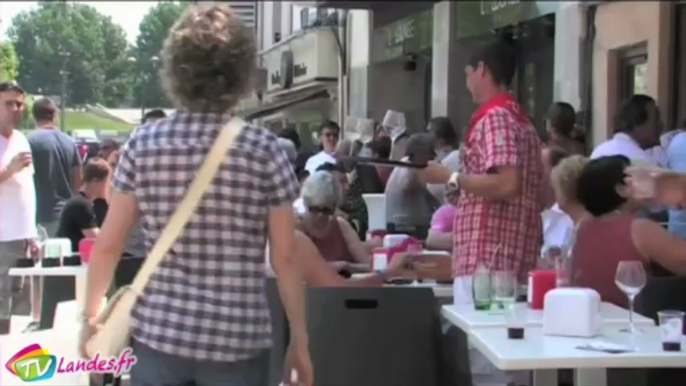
(500, 135)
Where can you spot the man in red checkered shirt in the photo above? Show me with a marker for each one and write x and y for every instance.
(498, 222)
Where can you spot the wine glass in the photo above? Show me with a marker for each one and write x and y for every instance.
(630, 278)
(504, 288)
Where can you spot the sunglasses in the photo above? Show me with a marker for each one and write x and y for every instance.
(321, 210)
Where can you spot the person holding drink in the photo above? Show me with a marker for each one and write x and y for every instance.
(18, 231)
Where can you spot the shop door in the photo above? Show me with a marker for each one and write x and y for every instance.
(633, 71)
(533, 85)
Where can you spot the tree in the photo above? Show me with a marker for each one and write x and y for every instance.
(59, 36)
(27, 117)
(8, 62)
(152, 32)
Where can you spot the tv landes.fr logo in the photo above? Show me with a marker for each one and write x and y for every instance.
(35, 363)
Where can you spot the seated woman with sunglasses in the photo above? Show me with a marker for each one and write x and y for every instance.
(334, 237)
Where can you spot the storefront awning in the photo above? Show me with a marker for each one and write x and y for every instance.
(276, 106)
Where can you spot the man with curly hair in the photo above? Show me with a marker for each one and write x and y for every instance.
(203, 318)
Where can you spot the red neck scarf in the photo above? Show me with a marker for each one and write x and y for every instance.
(503, 100)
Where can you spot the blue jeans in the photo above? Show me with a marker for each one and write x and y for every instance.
(155, 368)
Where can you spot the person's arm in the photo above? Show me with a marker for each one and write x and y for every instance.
(442, 241)
(84, 218)
(657, 244)
(5, 175)
(109, 245)
(77, 177)
(318, 273)
(499, 146)
(18, 162)
(398, 149)
(281, 188)
(355, 246)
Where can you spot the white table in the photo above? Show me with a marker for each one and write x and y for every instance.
(61, 343)
(79, 273)
(546, 354)
(467, 318)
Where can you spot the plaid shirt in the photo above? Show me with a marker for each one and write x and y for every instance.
(206, 300)
(482, 224)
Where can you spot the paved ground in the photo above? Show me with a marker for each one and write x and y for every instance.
(18, 323)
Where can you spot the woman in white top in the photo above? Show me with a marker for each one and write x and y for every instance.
(560, 220)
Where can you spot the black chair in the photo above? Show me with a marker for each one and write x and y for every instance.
(374, 336)
(55, 289)
(280, 332)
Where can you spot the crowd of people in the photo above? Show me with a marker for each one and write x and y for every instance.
(497, 194)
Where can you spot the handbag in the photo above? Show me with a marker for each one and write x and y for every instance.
(115, 320)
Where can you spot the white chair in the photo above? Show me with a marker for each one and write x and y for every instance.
(376, 208)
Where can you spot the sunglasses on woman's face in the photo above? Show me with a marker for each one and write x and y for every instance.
(320, 210)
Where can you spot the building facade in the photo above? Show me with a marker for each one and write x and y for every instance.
(410, 56)
(300, 50)
(246, 10)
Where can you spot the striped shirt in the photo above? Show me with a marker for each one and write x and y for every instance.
(206, 300)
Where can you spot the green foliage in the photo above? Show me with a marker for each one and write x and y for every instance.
(26, 118)
(8, 62)
(152, 32)
(75, 37)
(82, 120)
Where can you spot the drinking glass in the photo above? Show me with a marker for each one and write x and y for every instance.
(504, 288)
(671, 329)
(630, 278)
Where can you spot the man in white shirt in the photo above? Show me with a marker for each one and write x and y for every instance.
(329, 134)
(17, 194)
(638, 129)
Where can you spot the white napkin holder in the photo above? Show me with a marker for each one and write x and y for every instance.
(393, 240)
(573, 312)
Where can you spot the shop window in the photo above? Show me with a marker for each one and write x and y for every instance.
(633, 72)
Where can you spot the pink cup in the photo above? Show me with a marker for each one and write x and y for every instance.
(85, 249)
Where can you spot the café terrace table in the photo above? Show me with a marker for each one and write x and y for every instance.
(545, 355)
(467, 318)
(79, 273)
(471, 321)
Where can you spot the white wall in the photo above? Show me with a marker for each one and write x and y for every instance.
(266, 25)
(359, 28)
(621, 25)
(569, 32)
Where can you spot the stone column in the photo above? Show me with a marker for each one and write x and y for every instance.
(359, 36)
(443, 51)
(569, 32)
